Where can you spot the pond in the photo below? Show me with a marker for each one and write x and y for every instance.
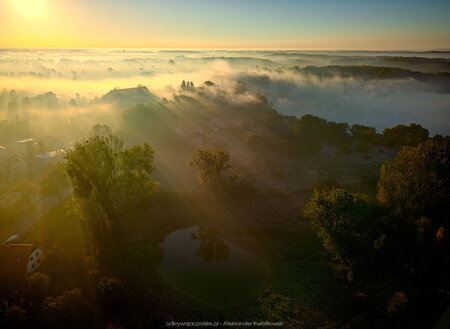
(199, 263)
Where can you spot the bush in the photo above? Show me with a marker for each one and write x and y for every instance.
(397, 304)
(70, 310)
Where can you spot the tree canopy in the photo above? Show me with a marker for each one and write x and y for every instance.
(417, 182)
(345, 222)
(117, 180)
(210, 163)
(410, 135)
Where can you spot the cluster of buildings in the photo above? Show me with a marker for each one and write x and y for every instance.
(23, 163)
(25, 159)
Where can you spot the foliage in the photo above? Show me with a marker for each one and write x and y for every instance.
(316, 130)
(310, 127)
(417, 182)
(346, 223)
(111, 295)
(101, 130)
(410, 135)
(328, 183)
(69, 310)
(364, 133)
(38, 285)
(397, 304)
(117, 180)
(210, 163)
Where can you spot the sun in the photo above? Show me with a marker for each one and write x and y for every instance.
(31, 8)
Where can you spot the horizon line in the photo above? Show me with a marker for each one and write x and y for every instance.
(237, 49)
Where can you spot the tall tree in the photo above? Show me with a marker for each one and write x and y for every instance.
(346, 223)
(210, 164)
(417, 182)
(117, 180)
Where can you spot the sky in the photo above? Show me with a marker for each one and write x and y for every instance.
(243, 24)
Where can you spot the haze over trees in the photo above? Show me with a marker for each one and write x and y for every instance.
(118, 180)
(211, 163)
(405, 234)
(312, 169)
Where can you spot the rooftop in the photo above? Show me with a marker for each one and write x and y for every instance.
(14, 260)
(52, 154)
(28, 140)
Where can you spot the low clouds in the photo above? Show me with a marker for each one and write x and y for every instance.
(244, 74)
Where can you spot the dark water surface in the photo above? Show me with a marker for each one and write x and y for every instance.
(199, 263)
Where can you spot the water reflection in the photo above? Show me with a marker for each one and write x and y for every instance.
(212, 247)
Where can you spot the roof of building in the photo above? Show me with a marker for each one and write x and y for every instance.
(52, 154)
(14, 260)
(28, 140)
(140, 94)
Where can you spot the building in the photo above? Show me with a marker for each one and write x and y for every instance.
(3, 155)
(19, 260)
(3, 152)
(53, 156)
(27, 147)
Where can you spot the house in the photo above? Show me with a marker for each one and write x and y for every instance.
(3, 156)
(3, 153)
(130, 96)
(57, 155)
(27, 147)
(19, 260)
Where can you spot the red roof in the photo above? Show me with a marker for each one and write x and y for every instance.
(14, 260)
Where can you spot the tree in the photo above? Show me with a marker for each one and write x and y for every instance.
(403, 135)
(415, 187)
(101, 130)
(117, 180)
(69, 310)
(336, 133)
(38, 285)
(364, 133)
(417, 182)
(345, 222)
(310, 128)
(210, 164)
(212, 247)
(366, 137)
